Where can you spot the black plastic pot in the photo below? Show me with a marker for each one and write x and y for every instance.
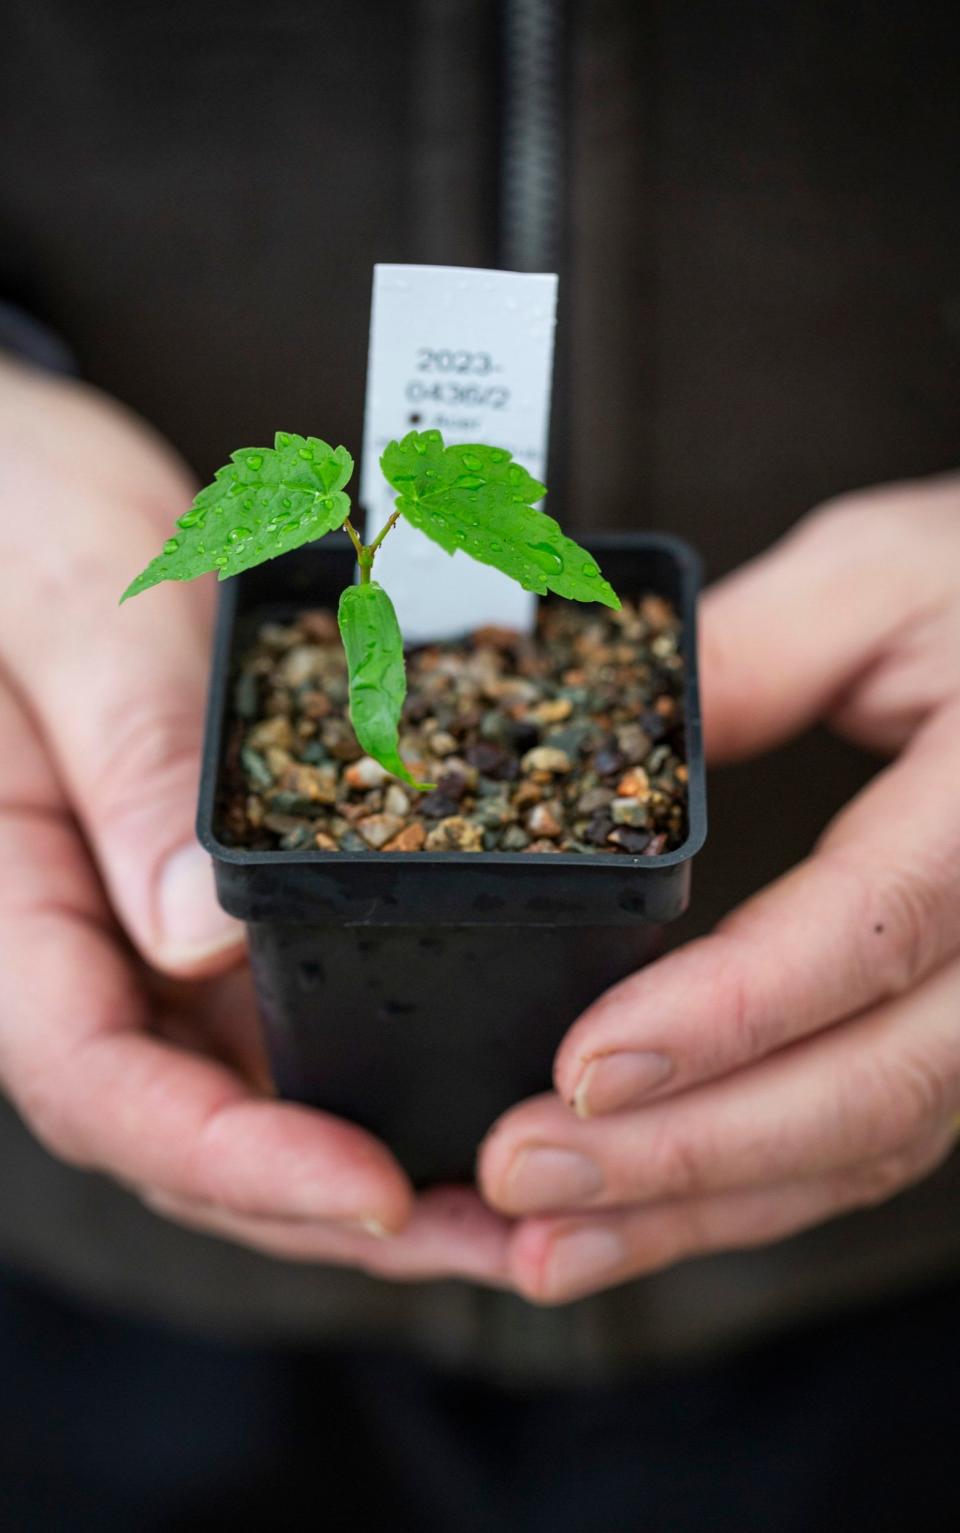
(422, 994)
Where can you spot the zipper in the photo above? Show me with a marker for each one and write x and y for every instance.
(532, 145)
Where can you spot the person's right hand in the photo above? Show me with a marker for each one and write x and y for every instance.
(127, 1031)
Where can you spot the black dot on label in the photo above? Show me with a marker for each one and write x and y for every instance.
(878, 928)
(414, 418)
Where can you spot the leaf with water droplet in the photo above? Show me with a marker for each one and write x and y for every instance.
(265, 501)
(498, 497)
(378, 680)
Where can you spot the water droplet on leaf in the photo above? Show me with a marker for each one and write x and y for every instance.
(255, 461)
(590, 570)
(306, 453)
(171, 545)
(237, 534)
(470, 460)
(468, 482)
(546, 558)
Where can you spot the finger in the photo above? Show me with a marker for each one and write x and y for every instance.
(140, 1109)
(861, 1090)
(785, 636)
(450, 1233)
(76, 1062)
(871, 912)
(119, 698)
(553, 1261)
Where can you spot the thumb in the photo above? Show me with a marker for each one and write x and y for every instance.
(119, 694)
(786, 636)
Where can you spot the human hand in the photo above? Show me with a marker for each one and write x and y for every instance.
(127, 1032)
(804, 1059)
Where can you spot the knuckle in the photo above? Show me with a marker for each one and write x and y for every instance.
(899, 933)
(907, 911)
(47, 1110)
(847, 520)
(743, 1032)
(151, 746)
(675, 1164)
(882, 1179)
(895, 1100)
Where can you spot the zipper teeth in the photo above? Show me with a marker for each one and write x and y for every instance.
(532, 155)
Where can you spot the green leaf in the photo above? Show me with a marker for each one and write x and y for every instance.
(264, 502)
(478, 500)
(378, 681)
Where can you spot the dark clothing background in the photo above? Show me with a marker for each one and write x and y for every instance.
(760, 307)
(840, 1430)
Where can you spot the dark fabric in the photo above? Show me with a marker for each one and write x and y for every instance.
(109, 1425)
(760, 307)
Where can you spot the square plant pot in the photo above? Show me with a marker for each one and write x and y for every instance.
(422, 994)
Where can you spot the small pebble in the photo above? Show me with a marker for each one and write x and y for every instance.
(554, 711)
(351, 842)
(629, 840)
(378, 829)
(395, 801)
(301, 664)
(366, 773)
(278, 731)
(594, 799)
(410, 839)
(543, 821)
(634, 784)
(545, 758)
(514, 839)
(455, 835)
(629, 811)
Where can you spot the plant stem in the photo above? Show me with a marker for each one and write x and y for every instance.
(354, 537)
(394, 518)
(366, 551)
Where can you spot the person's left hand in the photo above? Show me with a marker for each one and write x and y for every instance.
(804, 1059)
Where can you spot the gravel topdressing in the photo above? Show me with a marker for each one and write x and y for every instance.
(567, 740)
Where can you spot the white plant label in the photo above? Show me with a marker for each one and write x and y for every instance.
(469, 353)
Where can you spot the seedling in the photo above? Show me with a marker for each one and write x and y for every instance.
(473, 499)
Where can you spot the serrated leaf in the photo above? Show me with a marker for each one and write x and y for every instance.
(477, 500)
(378, 679)
(264, 502)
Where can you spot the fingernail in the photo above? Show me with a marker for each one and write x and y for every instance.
(544, 1177)
(578, 1259)
(612, 1081)
(190, 922)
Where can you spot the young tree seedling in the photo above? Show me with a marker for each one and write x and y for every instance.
(474, 500)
